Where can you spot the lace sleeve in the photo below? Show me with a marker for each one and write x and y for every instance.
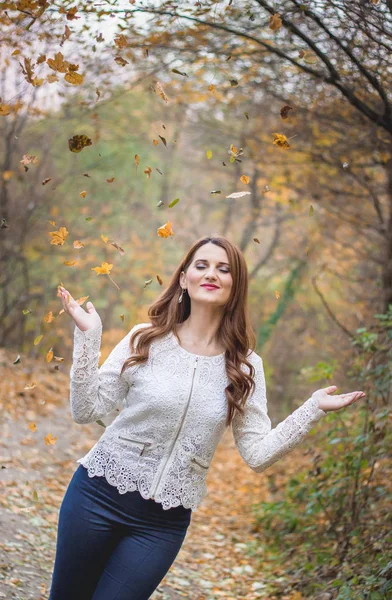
(95, 392)
(258, 444)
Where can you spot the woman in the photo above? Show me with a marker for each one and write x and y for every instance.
(180, 380)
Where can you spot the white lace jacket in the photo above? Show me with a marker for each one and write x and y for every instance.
(172, 418)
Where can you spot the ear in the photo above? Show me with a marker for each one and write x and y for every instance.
(182, 279)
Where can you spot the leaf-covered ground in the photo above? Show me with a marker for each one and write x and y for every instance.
(222, 556)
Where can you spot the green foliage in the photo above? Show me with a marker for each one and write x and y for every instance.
(330, 527)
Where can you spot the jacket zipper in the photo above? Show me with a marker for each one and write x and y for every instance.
(177, 434)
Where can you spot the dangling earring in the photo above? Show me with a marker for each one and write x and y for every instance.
(182, 292)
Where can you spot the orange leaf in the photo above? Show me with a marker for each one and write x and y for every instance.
(49, 355)
(165, 230)
(104, 269)
(59, 236)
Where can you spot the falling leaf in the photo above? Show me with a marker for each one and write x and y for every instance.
(17, 360)
(309, 56)
(311, 211)
(165, 230)
(98, 92)
(104, 269)
(104, 238)
(7, 175)
(30, 386)
(277, 295)
(58, 63)
(265, 189)
(160, 91)
(275, 22)
(5, 110)
(35, 496)
(245, 179)
(38, 339)
(28, 159)
(118, 247)
(284, 111)
(216, 192)
(89, 218)
(70, 263)
(78, 142)
(83, 194)
(148, 171)
(160, 203)
(48, 318)
(155, 142)
(159, 280)
(121, 61)
(78, 244)
(146, 283)
(246, 115)
(137, 159)
(26, 311)
(33, 426)
(49, 355)
(4, 224)
(59, 236)
(173, 202)
(74, 78)
(233, 82)
(280, 140)
(209, 154)
(256, 240)
(50, 440)
(163, 140)
(53, 223)
(237, 194)
(45, 181)
(179, 72)
(110, 180)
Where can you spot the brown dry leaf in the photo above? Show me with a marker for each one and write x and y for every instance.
(48, 318)
(281, 141)
(74, 78)
(245, 179)
(256, 240)
(148, 172)
(41, 59)
(49, 356)
(59, 236)
(78, 142)
(284, 111)
(110, 180)
(160, 91)
(275, 22)
(137, 159)
(159, 280)
(118, 247)
(165, 230)
(121, 61)
(78, 244)
(45, 181)
(58, 63)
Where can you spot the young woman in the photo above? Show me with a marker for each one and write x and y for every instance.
(180, 380)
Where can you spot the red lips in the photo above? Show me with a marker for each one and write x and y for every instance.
(207, 285)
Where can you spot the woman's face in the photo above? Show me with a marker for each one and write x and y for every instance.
(210, 265)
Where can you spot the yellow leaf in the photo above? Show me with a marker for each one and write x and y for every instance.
(48, 318)
(70, 263)
(58, 63)
(74, 78)
(104, 238)
(209, 154)
(277, 295)
(83, 194)
(38, 339)
(104, 269)
(245, 179)
(49, 439)
(281, 140)
(59, 236)
(33, 427)
(5, 110)
(7, 175)
(49, 356)
(78, 244)
(165, 230)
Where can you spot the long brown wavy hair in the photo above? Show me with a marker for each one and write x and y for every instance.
(235, 332)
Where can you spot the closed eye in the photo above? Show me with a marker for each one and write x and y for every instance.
(223, 269)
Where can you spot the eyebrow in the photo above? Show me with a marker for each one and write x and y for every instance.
(219, 263)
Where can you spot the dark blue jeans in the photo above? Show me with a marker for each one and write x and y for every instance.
(113, 546)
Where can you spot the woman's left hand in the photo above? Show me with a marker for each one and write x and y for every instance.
(327, 402)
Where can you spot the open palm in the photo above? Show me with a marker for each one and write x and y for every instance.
(327, 402)
(84, 319)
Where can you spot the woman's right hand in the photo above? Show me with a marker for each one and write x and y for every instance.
(84, 320)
